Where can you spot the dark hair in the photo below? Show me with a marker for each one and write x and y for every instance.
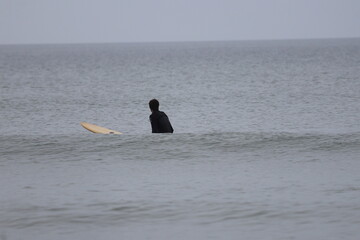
(154, 105)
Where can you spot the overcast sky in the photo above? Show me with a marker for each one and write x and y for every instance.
(66, 21)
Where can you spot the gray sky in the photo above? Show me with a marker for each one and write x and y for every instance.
(66, 21)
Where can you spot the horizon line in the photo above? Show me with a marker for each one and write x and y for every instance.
(177, 41)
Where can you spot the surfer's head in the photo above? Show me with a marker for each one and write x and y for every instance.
(154, 105)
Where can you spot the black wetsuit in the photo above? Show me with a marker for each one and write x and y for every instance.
(160, 123)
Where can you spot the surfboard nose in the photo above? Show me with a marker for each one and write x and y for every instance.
(97, 129)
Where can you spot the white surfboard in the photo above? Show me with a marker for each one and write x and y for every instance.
(97, 129)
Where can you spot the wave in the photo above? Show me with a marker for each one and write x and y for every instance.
(165, 146)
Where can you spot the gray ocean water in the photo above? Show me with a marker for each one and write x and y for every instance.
(266, 142)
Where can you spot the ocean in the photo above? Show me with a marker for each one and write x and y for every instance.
(266, 141)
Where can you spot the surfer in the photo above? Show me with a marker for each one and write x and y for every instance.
(159, 120)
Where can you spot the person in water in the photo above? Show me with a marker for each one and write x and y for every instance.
(159, 120)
